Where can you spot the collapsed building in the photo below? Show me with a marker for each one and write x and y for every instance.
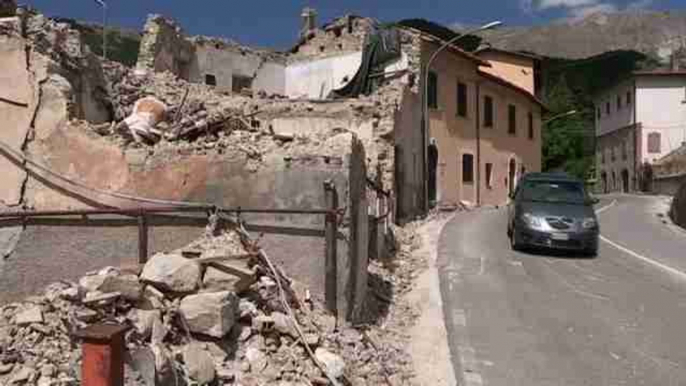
(207, 121)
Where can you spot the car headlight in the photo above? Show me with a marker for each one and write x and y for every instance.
(589, 223)
(532, 221)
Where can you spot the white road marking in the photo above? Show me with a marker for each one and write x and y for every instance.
(659, 265)
(606, 207)
(645, 259)
(481, 267)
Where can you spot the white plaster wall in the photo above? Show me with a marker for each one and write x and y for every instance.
(224, 64)
(661, 107)
(315, 79)
(617, 119)
(271, 77)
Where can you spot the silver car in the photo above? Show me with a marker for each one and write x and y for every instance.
(552, 211)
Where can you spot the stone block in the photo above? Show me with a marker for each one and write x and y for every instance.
(212, 314)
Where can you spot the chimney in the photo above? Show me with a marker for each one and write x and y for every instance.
(309, 17)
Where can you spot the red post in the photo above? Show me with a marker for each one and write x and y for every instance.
(103, 355)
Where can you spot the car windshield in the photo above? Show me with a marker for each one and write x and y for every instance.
(553, 191)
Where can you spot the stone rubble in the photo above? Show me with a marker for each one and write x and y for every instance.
(185, 332)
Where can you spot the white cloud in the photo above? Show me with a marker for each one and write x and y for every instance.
(573, 4)
(579, 13)
(640, 4)
(578, 9)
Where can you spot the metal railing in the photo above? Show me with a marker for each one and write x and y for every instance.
(142, 214)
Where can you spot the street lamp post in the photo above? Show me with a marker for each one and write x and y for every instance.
(425, 99)
(558, 116)
(103, 5)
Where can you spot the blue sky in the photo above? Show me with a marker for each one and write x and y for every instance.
(274, 23)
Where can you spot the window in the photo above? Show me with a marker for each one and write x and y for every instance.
(619, 102)
(210, 80)
(628, 98)
(467, 168)
(512, 119)
(654, 143)
(433, 90)
(489, 175)
(488, 111)
(607, 108)
(461, 99)
(239, 82)
(531, 126)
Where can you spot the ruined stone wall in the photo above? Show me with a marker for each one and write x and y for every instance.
(164, 47)
(233, 66)
(8, 8)
(342, 36)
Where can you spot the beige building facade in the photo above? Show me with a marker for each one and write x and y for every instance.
(487, 128)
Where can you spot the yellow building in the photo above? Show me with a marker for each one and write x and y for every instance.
(486, 122)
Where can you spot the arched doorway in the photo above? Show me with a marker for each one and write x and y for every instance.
(614, 181)
(512, 174)
(603, 177)
(625, 181)
(433, 165)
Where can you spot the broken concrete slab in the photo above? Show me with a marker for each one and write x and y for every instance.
(172, 273)
(144, 320)
(212, 314)
(199, 364)
(30, 315)
(284, 324)
(256, 358)
(217, 278)
(25, 374)
(334, 364)
(128, 285)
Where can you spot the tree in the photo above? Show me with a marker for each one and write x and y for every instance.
(564, 139)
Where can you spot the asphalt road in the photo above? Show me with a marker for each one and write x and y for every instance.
(531, 319)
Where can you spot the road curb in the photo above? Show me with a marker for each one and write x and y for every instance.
(429, 336)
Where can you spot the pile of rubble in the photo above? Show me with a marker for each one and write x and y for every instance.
(214, 312)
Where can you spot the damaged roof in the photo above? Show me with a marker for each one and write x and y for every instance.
(522, 54)
(438, 33)
(470, 42)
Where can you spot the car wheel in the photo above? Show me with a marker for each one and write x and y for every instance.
(515, 244)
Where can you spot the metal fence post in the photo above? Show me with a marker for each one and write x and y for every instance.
(331, 235)
(142, 238)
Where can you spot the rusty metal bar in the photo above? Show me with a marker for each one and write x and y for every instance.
(152, 210)
(142, 239)
(103, 355)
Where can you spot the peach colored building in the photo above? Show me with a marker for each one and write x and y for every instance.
(486, 122)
